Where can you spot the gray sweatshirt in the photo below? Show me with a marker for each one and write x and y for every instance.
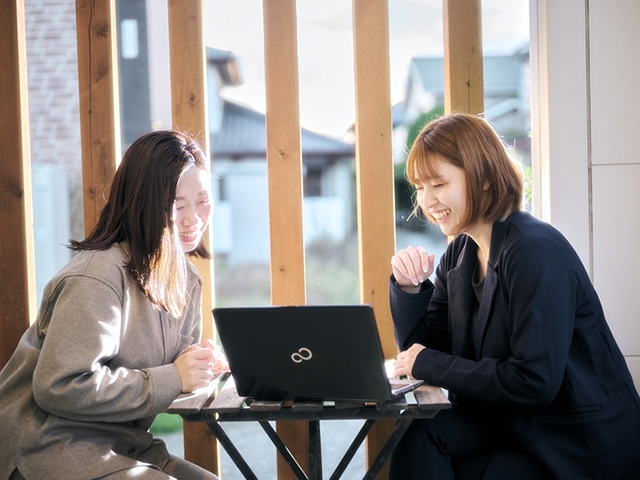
(89, 376)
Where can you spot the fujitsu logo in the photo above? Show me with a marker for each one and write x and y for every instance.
(301, 355)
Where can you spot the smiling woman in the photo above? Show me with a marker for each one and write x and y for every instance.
(511, 326)
(193, 206)
(117, 337)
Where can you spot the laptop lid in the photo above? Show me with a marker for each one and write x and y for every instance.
(329, 352)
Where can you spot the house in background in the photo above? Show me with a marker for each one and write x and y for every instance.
(506, 98)
(239, 167)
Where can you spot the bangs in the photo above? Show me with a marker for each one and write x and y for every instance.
(421, 166)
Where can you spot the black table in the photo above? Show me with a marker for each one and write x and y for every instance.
(226, 406)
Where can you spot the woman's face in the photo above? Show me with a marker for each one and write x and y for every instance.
(444, 197)
(192, 207)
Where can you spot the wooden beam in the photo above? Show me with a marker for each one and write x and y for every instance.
(463, 69)
(17, 259)
(284, 170)
(374, 176)
(189, 114)
(99, 98)
(189, 107)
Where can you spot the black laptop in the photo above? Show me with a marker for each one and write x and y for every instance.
(329, 352)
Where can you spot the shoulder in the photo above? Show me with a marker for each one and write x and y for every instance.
(525, 230)
(105, 264)
(537, 242)
(107, 268)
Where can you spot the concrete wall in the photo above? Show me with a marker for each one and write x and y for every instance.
(584, 102)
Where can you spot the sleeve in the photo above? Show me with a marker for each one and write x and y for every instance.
(74, 377)
(408, 312)
(541, 292)
(421, 317)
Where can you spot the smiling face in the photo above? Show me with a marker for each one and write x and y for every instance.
(444, 196)
(193, 206)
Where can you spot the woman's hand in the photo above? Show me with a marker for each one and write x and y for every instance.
(404, 363)
(220, 363)
(411, 267)
(198, 364)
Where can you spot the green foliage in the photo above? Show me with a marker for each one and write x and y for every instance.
(166, 423)
(421, 121)
(403, 190)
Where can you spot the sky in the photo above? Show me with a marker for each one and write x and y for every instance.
(325, 49)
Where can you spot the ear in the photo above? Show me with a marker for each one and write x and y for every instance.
(486, 186)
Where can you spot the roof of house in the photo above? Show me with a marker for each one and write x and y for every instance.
(228, 65)
(243, 134)
(502, 73)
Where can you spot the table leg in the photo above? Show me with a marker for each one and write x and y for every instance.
(353, 449)
(284, 451)
(232, 451)
(385, 452)
(315, 451)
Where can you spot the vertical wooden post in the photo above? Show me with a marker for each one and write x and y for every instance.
(189, 114)
(374, 175)
(463, 72)
(99, 97)
(284, 169)
(17, 259)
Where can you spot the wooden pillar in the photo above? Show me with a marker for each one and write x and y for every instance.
(284, 170)
(99, 97)
(17, 260)
(189, 114)
(463, 72)
(374, 176)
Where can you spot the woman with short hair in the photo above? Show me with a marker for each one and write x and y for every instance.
(511, 326)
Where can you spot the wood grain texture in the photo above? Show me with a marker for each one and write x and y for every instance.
(374, 177)
(189, 114)
(284, 170)
(17, 259)
(99, 108)
(463, 66)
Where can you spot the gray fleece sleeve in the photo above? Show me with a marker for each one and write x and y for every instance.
(92, 368)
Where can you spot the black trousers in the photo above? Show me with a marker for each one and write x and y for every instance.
(461, 444)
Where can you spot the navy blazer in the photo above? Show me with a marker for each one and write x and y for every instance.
(540, 357)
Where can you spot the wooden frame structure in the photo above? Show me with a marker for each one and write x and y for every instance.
(97, 63)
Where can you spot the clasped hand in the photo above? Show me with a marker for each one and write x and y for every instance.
(411, 267)
(198, 364)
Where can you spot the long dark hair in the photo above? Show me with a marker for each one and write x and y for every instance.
(139, 215)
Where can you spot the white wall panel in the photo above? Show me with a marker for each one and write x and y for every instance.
(615, 76)
(560, 119)
(616, 246)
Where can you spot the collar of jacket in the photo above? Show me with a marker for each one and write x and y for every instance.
(459, 286)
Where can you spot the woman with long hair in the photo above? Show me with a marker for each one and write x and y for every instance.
(117, 336)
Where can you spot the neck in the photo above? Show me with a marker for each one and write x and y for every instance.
(481, 234)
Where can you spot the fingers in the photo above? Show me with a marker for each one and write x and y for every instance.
(220, 363)
(406, 359)
(412, 266)
(199, 363)
(195, 368)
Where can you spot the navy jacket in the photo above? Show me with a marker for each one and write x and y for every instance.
(540, 357)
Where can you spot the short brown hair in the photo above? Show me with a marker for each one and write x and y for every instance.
(495, 182)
